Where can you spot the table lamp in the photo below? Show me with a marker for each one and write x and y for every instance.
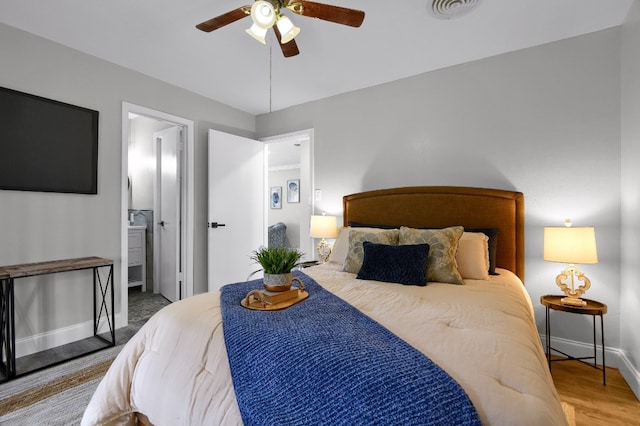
(571, 245)
(323, 227)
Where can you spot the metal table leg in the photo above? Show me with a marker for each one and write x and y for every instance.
(548, 334)
(101, 300)
(7, 329)
(604, 365)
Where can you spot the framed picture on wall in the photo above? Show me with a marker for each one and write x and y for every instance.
(293, 191)
(275, 197)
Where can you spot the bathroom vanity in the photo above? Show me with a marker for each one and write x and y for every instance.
(137, 255)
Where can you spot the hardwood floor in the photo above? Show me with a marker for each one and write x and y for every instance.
(594, 403)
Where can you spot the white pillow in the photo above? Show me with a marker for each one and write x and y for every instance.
(341, 246)
(473, 256)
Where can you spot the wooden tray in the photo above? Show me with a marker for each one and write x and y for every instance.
(250, 302)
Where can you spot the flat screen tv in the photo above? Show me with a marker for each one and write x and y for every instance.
(46, 145)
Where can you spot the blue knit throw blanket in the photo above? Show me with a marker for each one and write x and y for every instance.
(323, 362)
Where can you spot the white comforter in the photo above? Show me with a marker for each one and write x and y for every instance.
(175, 369)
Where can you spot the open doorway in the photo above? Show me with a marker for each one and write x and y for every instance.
(157, 202)
(241, 174)
(290, 174)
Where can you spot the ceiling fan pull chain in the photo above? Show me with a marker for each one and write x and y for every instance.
(270, 70)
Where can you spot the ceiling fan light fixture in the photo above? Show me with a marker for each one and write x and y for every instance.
(258, 33)
(288, 31)
(263, 14)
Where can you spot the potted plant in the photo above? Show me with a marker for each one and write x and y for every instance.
(277, 263)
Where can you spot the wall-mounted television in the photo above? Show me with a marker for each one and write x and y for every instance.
(46, 145)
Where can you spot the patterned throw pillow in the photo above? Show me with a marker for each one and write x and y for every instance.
(341, 245)
(353, 262)
(443, 244)
(405, 264)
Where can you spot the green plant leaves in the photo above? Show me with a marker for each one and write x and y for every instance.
(277, 260)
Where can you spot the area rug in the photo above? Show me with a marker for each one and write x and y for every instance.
(37, 394)
(57, 395)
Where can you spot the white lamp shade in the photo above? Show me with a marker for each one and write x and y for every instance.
(288, 31)
(570, 245)
(323, 227)
(263, 14)
(258, 33)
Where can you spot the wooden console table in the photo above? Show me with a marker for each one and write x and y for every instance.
(8, 275)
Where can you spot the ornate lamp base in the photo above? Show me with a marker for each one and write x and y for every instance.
(323, 250)
(573, 294)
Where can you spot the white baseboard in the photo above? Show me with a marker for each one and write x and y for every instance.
(614, 358)
(581, 349)
(62, 336)
(630, 374)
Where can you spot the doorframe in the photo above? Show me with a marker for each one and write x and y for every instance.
(187, 203)
(306, 134)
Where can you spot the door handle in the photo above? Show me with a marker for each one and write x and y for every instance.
(161, 223)
(216, 224)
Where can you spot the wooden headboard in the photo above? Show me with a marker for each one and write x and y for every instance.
(443, 206)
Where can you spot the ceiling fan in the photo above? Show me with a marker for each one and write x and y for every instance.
(267, 14)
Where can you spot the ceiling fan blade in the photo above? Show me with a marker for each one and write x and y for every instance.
(288, 49)
(337, 14)
(224, 19)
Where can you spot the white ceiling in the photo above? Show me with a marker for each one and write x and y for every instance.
(397, 39)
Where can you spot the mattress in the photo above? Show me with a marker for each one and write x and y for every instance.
(175, 369)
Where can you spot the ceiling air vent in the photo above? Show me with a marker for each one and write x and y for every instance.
(447, 9)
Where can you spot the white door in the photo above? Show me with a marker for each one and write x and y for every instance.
(236, 207)
(167, 218)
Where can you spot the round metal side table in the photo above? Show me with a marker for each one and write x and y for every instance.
(593, 308)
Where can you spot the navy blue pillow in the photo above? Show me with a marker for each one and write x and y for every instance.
(406, 264)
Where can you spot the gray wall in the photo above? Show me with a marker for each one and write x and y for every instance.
(630, 291)
(290, 213)
(38, 226)
(142, 160)
(544, 121)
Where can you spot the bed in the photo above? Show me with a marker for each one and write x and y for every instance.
(480, 332)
